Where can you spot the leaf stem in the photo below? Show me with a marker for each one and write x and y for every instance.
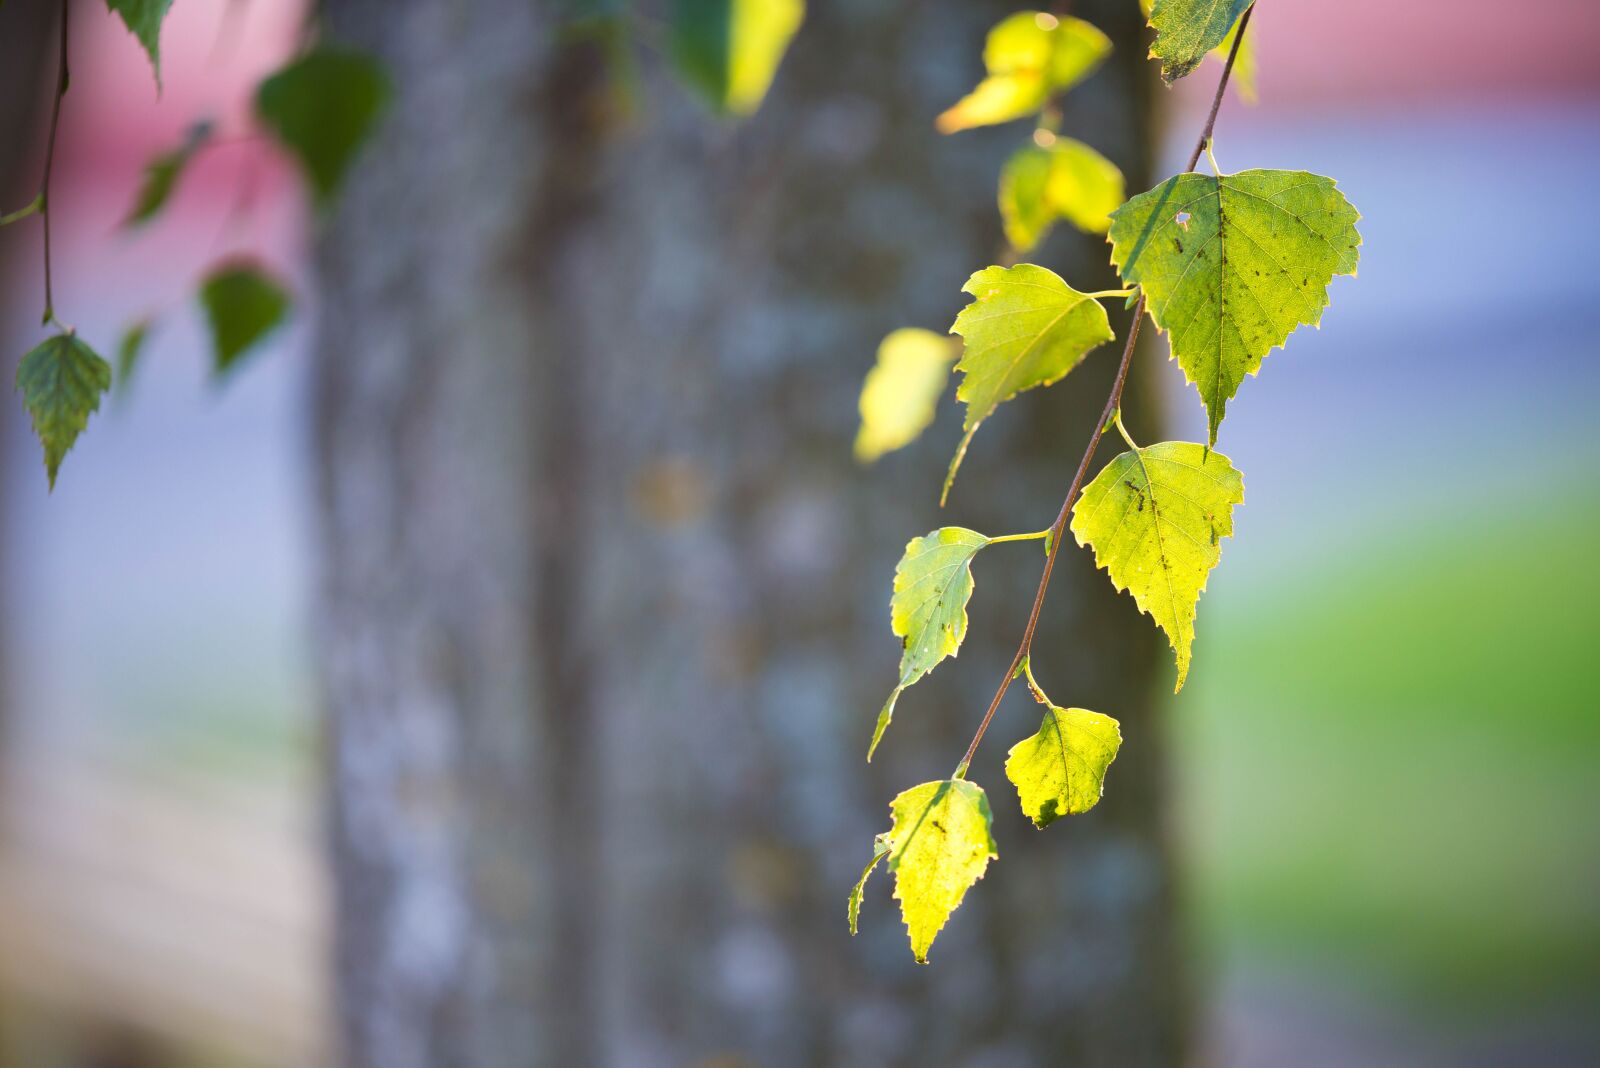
(1035, 536)
(62, 78)
(1212, 159)
(1113, 404)
(31, 208)
(1108, 293)
(1117, 418)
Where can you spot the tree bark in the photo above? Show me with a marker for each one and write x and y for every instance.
(603, 606)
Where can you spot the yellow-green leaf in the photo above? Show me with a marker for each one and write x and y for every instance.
(1187, 29)
(928, 612)
(1231, 265)
(940, 844)
(62, 380)
(1243, 79)
(1029, 56)
(730, 50)
(1061, 179)
(1025, 328)
(853, 905)
(901, 391)
(1155, 518)
(1061, 770)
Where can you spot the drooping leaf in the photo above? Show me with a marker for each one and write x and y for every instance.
(129, 349)
(1243, 79)
(928, 612)
(1029, 56)
(243, 304)
(730, 50)
(1085, 187)
(880, 849)
(1064, 179)
(940, 844)
(1025, 328)
(1230, 266)
(1155, 518)
(901, 391)
(161, 175)
(322, 107)
(1061, 770)
(143, 19)
(61, 380)
(1187, 29)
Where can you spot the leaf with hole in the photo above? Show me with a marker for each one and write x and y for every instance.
(243, 304)
(1231, 265)
(1156, 517)
(939, 846)
(1029, 56)
(928, 612)
(322, 107)
(1187, 29)
(1024, 328)
(729, 50)
(62, 380)
(1061, 770)
(902, 390)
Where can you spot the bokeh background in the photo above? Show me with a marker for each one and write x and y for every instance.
(1387, 749)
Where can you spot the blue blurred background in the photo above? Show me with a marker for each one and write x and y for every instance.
(1389, 739)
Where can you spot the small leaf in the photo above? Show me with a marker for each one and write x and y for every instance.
(322, 107)
(61, 380)
(881, 848)
(730, 50)
(1085, 187)
(161, 175)
(940, 845)
(1187, 29)
(1025, 328)
(129, 348)
(1029, 56)
(1156, 517)
(1231, 265)
(900, 393)
(1061, 770)
(243, 305)
(143, 19)
(932, 585)
(1025, 208)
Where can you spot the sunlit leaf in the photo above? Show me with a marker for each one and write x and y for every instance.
(1231, 266)
(1025, 328)
(1156, 517)
(881, 846)
(243, 304)
(1085, 187)
(730, 50)
(902, 390)
(1243, 79)
(1061, 770)
(940, 844)
(1025, 208)
(322, 107)
(143, 19)
(61, 380)
(1029, 56)
(928, 612)
(1187, 29)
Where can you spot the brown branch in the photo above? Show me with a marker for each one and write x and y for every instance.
(62, 79)
(1113, 402)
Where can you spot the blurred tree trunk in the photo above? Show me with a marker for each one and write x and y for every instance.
(603, 611)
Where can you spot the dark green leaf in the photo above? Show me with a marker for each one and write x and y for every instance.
(128, 351)
(730, 49)
(143, 19)
(61, 382)
(161, 175)
(322, 107)
(243, 305)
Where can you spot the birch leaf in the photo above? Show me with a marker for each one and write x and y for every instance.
(1061, 770)
(143, 19)
(1025, 328)
(1231, 265)
(62, 380)
(932, 585)
(1029, 57)
(1065, 179)
(322, 107)
(243, 304)
(902, 390)
(1187, 29)
(1155, 518)
(940, 845)
(729, 50)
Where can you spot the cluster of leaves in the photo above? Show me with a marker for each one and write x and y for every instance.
(1227, 265)
(319, 107)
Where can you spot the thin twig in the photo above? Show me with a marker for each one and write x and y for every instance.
(1113, 405)
(49, 165)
